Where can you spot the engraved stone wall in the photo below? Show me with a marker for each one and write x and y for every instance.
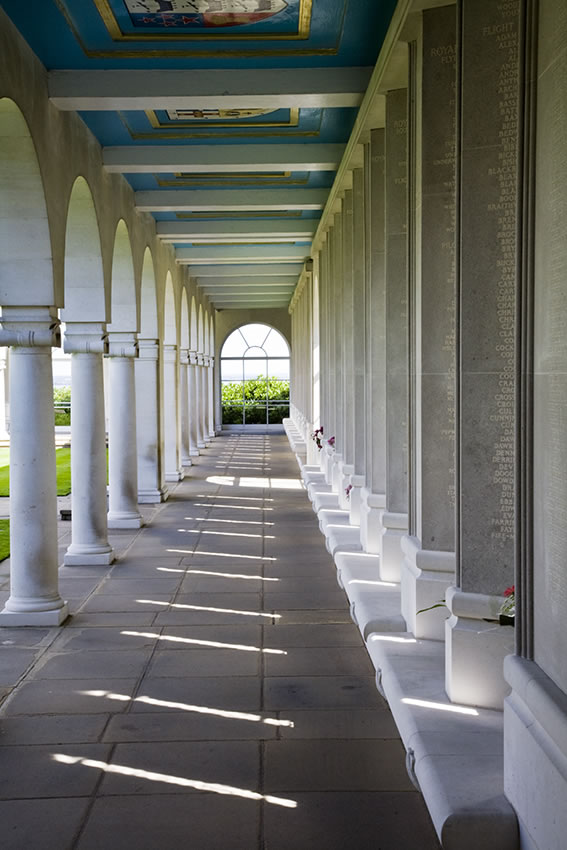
(488, 257)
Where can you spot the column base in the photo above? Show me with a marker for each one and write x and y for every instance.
(535, 754)
(426, 575)
(34, 618)
(372, 507)
(77, 555)
(394, 528)
(186, 461)
(152, 497)
(475, 650)
(178, 475)
(335, 471)
(124, 520)
(201, 445)
(194, 453)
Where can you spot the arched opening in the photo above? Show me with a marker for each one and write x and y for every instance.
(254, 364)
(148, 302)
(123, 297)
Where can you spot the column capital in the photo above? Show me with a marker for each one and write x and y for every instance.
(148, 349)
(206, 359)
(192, 357)
(122, 344)
(211, 360)
(200, 359)
(85, 338)
(170, 353)
(183, 356)
(30, 327)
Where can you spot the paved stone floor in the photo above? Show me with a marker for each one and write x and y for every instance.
(209, 691)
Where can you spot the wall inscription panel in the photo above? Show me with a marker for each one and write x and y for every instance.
(488, 257)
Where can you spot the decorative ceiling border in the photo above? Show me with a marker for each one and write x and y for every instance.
(155, 122)
(115, 32)
(198, 54)
(284, 132)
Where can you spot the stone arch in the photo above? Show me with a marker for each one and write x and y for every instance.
(124, 314)
(184, 329)
(211, 336)
(85, 296)
(193, 325)
(200, 330)
(148, 299)
(170, 313)
(25, 238)
(205, 333)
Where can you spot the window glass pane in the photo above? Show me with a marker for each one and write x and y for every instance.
(234, 345)
(255, 368)
(255, 351)
(279, 369)
(255, 334)
(275, 345)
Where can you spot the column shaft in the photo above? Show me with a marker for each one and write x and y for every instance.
(151, 483)
(122, 460)
(89, 540)
(34, 594)
(173, 470)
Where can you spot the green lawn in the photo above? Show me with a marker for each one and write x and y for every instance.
(63, 460)
(4, 538)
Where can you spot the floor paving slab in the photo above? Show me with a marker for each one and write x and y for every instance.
(210, 691)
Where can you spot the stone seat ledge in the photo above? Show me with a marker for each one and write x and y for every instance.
(454, 753)
(343, 538)
(332, 516)
(316, 487)
(325, 501)
(374, 604)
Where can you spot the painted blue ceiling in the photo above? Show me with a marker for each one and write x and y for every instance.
(210, 34)
(121, 33)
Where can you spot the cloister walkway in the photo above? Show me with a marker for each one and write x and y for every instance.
(209, 691)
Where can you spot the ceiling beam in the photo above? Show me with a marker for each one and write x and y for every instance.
(176, 231)
(246, 280)
(241, 254)
(195, 159)
(203, 200)
(248, 270)
(230, 88)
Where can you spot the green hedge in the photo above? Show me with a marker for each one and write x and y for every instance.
(62, 403)
(251, 395)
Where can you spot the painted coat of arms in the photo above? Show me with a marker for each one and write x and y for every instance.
(197, 14)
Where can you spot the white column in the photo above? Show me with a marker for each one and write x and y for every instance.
(3, 431)
(211, 393)
(173, 470)
(184, 405)
(122, 461)
(192, 396)
(89, 539)
(149, 439)
(34, 599)
(200, 402)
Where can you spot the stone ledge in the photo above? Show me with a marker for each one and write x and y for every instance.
(374, 604)
(455, 753)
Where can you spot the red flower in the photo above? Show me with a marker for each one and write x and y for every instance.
(509, 591)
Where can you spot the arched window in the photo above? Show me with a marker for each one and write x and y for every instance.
(255, 376)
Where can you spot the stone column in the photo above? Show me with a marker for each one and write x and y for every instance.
(344, 316)
(122, 461)
(173, 469)
(151, 483)
(336, 329)
(192, 397)
(315, 388)
(429, 549)
(358, 422)
(211, 396)
(373, 495)
(34, 593)
(3, 430)
(535, 748)
(487, 379)
(184, 406)
(204, 400)
(89, 537)
(200, 400)
(395, 517)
